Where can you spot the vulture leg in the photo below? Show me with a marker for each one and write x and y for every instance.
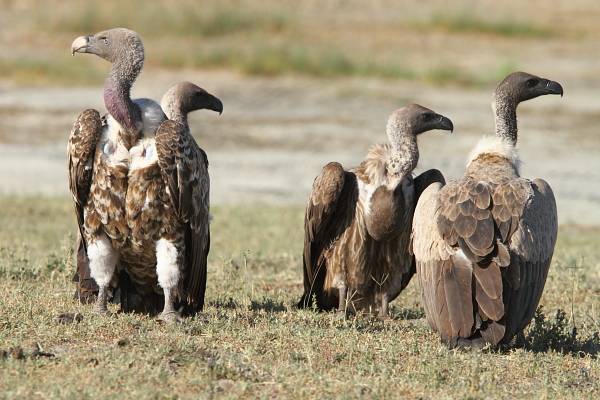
(342, 305)
(103, 260)
(168, 270)
(383, 311)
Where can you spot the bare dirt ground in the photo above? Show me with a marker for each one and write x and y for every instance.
(276, 133)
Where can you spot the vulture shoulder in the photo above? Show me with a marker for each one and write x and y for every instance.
(184, 168)
(80, 162)
(329, 212)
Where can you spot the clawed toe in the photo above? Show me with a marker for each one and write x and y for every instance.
(171, 317)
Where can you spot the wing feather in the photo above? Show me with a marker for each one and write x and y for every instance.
(532, 247)
(184, 168)
(327, 214)
(80, 161)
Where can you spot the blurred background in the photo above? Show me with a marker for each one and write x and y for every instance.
(306, 83)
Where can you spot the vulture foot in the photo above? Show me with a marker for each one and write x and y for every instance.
(340, 315)
(171, 317)
(202, 317)
(100, 310)
(464, 344)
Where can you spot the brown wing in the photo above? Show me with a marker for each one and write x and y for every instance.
(184, 167)
(445, 281)
(423, 180)
(329, 212)
(466, 221)
(532, 247)
(80, 161)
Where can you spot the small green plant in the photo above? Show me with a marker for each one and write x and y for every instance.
(559, 336)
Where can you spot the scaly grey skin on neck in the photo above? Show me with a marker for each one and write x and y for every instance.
(174, 110)
(505, 114)
(402, 129)
(406, 150)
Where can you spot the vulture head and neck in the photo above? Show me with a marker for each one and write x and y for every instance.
(123, 48)
(403, 126)
(515, 88)
(186, 97)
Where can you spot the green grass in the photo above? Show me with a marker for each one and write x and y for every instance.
(257, 344)
(254, 38)
(469, 22)
(159, 18)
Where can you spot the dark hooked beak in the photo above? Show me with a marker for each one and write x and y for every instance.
(215, 105)
(554, 88)
(445, 124)
(80, 44)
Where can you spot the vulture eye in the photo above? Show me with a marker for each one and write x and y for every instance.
(532, 82)
(426, 117)
(105, 40)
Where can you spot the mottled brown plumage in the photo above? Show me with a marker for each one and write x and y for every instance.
(134, 207)
(98, 149)
(483, 243)
(167, 207)
(358, 221)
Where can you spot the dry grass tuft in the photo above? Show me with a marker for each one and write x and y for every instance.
(257, 344)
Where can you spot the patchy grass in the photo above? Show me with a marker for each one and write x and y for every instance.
(257, 344)
(467, 22)
(161, 18)
(256, 38)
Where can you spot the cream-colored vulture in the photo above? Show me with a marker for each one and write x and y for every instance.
(141, 196)
(358, 221)
(483, 243)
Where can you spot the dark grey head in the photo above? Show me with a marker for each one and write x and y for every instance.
(521, 86)
(186, 97)
(110, 45)
(415, 119)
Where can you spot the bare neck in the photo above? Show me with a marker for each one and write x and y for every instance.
(174, 112)
(117, 96)
(505, 116)
(406, 152)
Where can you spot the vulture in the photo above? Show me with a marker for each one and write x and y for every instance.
(358, 221)
(140, 185)
(167, 208)
(483, 243)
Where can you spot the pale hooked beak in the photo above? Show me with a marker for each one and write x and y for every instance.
(79, 45)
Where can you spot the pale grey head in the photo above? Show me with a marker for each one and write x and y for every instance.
(186, 97)
(515, 88)
(403, 126)
(123, 48)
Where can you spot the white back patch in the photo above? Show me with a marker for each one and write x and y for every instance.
(496, 145)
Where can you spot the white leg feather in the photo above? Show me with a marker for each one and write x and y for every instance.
(168, 272)
(167, 264)
(103, 261)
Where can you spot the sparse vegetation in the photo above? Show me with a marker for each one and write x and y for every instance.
(257, 344)
(250, 37)
(468, 22)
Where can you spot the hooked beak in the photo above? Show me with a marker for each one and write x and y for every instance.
(79, 45)
(216, 105)
(554, 88)
(445, 124)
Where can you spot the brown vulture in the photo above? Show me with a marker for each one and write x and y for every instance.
(358, 220)
(483, 243)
